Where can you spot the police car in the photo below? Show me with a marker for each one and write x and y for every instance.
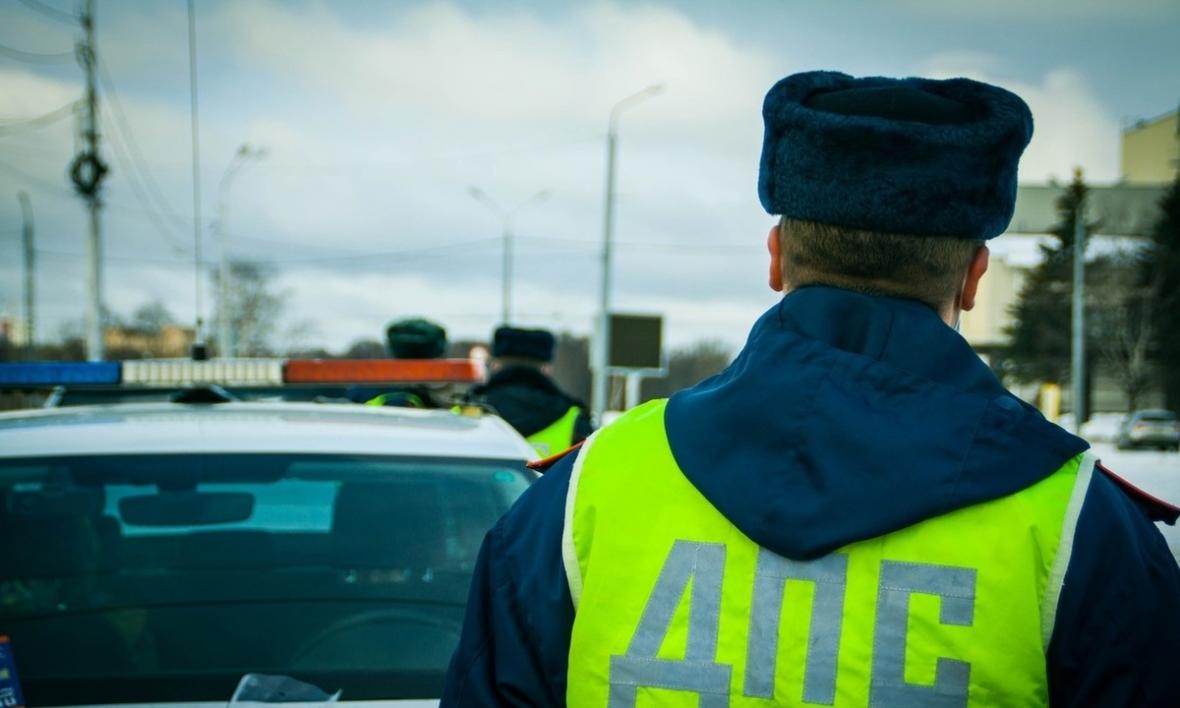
(158, 552)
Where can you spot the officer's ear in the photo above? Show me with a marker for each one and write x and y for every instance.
(975, 273)
(775, 246)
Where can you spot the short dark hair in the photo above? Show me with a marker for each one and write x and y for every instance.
(925, 268)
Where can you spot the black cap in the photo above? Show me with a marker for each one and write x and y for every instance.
(416, 338)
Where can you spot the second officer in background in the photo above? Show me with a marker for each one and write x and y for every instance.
(521, 391)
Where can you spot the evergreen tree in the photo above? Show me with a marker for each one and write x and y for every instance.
(1039, 336)
(1162, 273)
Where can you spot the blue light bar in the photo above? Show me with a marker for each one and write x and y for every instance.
(57, 373)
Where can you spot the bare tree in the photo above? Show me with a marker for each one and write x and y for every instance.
(151, 317)
(688, 366)
(253, 307)
(1122, 308)
(365, 349)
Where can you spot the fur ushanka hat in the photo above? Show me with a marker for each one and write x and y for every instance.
(535, 344)
(904, 156)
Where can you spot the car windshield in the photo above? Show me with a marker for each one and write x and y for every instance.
(168, 577)
(1157, 417)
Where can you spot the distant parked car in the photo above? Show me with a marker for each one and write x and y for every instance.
(1150, 429)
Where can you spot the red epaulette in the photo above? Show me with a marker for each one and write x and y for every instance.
(1157, 509)
(542, 466)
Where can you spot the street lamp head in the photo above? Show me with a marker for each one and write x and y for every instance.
(246, 151)
(631, 100)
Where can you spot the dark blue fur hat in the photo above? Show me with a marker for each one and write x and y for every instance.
(537, 344)
(906, 156)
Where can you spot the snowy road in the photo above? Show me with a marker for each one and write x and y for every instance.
(1152, 471)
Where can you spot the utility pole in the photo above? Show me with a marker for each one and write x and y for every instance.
(1078, 347)
(199, 351)
(27, 243)
(87, 172)
(601, 366)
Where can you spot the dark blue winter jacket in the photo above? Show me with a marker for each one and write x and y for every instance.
(829, 383)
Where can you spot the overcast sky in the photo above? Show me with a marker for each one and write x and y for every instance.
(378, 116)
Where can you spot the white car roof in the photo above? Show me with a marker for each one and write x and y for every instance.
(248, 427)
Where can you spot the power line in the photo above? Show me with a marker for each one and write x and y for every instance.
(36, 57)
(124, 127)
(401, 253)
(39, 121)
(128, 154)
(50, 12)
(162, 226)
(50, 188)
(405, 253)
(70, 255)
(33, 179)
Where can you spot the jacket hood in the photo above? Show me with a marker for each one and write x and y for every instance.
(847, 416)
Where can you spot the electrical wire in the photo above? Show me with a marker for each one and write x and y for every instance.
(152, 192)
(403, 254)
(70, 255)
(35, 57)
(50, 12)
(49, 188)
(578, 246)
(39, 121)
(164, 228)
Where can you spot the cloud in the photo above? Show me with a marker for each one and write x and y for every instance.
(375, 129)
(1072, 127)
(28, 95)
(477, 73)
(1058, 10)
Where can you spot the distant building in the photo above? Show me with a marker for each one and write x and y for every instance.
(129, 343)
(1151, 150)
(15, 330)
(1125, 215)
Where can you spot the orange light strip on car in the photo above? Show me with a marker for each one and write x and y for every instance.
(383, 371)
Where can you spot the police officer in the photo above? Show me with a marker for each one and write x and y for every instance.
(855, 512)
(411, 338)
(521, 391)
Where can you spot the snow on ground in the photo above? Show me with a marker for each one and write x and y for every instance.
(1155, 472)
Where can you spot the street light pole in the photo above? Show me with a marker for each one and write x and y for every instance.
(30, 274)
(199, 350)
(1078, 345)
(602, 350)
(225, 343)
(507, 242)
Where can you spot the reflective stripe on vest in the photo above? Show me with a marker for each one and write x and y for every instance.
(403, 399)
(676, 607)
(558, 436)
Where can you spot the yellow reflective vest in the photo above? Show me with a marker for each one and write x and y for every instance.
(676, 607)
(558, 435)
